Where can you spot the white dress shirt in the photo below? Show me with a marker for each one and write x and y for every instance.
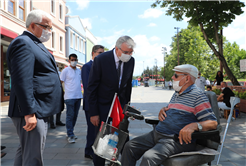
(117, 64)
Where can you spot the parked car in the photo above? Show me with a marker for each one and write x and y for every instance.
(242, 83)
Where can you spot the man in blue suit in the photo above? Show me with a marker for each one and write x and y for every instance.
(36, 91)
(90, 138)
(111, 73)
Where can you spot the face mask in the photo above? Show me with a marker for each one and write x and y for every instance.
(125, 57)
(223, 88)
(45, 36)
(176, 86)
(73, 63)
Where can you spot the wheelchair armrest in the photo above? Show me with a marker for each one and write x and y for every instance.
(213, 135)
(152, 121)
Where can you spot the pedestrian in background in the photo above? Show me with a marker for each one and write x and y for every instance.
(71, 76)
(36, 91)
(170, 84)
(58, 115)
(219, 78)
(224, 97)
(209, 88)
(200, 82)
(85, 71)
(111, 73)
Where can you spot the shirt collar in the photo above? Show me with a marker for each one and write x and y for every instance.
(115, 57)
(188, 89)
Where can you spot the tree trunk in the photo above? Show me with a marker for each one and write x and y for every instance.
(221, 58)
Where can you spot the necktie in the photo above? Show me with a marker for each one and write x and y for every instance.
(119, 69)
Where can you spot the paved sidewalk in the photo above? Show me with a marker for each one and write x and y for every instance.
(148, 100)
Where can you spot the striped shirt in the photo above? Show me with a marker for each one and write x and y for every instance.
(190, 106)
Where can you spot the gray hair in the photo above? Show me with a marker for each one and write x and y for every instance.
(125, 39)
(36, 16)
(96, 47)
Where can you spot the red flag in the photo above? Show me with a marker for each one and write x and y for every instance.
(117, 113)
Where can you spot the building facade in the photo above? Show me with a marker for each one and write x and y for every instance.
(91, 40)
(75, 38)
(56, 45)
(13, 15)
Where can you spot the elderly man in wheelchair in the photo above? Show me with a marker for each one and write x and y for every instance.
(188, 111)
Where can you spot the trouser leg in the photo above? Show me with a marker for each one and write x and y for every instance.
(77, 105)
(58, 117)
(70, 116)
(32, 143)
(135, 148)
(164, 147)
(51, 120)
(90, 137)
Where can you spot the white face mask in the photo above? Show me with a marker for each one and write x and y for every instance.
(125, 57)
(176, 86)
(45, 36)
(223, 88)
(73, 63)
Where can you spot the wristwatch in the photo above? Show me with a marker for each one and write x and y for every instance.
(199, 126)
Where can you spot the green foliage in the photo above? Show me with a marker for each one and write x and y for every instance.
(216, 91)
(211, 14)
(192, 50)
(241, 95)
(233, 54)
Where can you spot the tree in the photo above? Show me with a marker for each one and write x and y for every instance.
(192, 49)
(220, 14)
(233, 54)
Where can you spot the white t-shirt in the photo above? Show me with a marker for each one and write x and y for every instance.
(72, 82)
(200, 83)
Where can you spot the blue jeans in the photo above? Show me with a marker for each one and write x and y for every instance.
(73, 106)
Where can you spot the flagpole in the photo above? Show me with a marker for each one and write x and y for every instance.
(111, 108)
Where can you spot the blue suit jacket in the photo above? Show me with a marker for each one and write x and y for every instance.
(35, 83)
(104, 83)
(85, 71)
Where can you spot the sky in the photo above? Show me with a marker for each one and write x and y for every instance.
(149, 27)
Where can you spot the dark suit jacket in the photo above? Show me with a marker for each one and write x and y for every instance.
(85, 78)
(35, 83)
(104, 83)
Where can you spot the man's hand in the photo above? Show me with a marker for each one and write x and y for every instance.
(185, 133)
(31, 122)
(162, 113)
(95, 120)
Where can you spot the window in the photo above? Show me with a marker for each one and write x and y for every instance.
(60, 12)
(52, 7)
(76, 43)
(22, 10)
(83, 47)
(80, 45)
(61, 44)
(11, 6)
(53, 39)
(71, 39)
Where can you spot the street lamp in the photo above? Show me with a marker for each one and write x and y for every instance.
(177, 41)
(164, 51)
(156, 72)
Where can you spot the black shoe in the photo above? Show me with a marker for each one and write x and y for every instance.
(3, 147)
(60, 123)
(52, 126)
(88, 156)
(3, 154)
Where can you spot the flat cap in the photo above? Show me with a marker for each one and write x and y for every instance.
(187, 68)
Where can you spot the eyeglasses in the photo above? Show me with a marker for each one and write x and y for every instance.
(127, 52)
(177, 75)
(45, 26)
